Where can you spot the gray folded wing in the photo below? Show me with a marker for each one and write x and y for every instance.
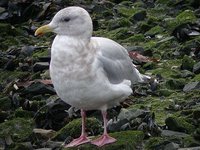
(116, 62)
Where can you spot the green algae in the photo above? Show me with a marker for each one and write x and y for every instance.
(11, 75)
(73, 128)
(19, 129)
(182, 18)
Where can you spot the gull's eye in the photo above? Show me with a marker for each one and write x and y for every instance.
(66, 19)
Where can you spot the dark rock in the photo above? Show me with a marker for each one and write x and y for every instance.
(40, 66)
(191, 86)
(196, 114)
(117, 125)
(42, 134)
(170, 133)
(196, 68)
(55, 117)
(171, 146)
(186, 73)
(11, 65)
(179, 124)
(39, 88)
(3, 116)
(139, 16)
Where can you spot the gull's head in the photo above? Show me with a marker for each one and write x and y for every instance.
(71, 21)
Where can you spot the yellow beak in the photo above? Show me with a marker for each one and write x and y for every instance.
(43, 29)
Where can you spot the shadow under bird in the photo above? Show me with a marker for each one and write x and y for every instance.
(90, 73)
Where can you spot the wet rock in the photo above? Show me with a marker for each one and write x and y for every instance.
(117, 125)
(171, 146)
(139, 16)
(179, 124)
(53, 144)
(56, 115)
(73, 129)
(170, 133)
(196, 68)
(40, 66)
(186, 73)
(39, 88)
(191, 86)
(11, 65)
(42, 134)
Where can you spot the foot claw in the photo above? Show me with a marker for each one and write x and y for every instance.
(103, 140)
(78, 141)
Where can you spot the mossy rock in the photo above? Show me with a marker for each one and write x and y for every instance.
(165, 92)
(11, 75)
(187, 63)
(20, 113)
(73, 129)
(179, 124)
(155, 30)
(126, 140)
(19, 129)
(182, 18)
(5, 103)
(175, 84)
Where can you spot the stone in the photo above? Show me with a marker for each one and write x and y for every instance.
(3, 116)
(42, 134)
(40, 66)
(39, 88)
(170, 133)
(196, 114)
(179, 124)
(171, 146)
(130, 114)
(191, 86)
(186, 73)
(139, 16)
(196, 68)
(19, 129)
(73, 129)
(187, 63)
(190, 148)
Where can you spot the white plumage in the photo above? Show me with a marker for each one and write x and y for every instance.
(88, 72)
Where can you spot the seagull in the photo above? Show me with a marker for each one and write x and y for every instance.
(89, 73)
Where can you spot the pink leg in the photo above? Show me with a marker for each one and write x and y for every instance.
(83, 138)
(105, 138)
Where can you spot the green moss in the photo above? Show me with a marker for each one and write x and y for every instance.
(136, 38)
(165, 92)
(179, 124)
(5, 103)
(126, 140)
(189, 141)
(156, 105)
(40, 53)
(10, 75)
(73, 128)
(182, 18)
(155, 30)
(175, 83)
(19, 129)
(187, 63)
(20, 113)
